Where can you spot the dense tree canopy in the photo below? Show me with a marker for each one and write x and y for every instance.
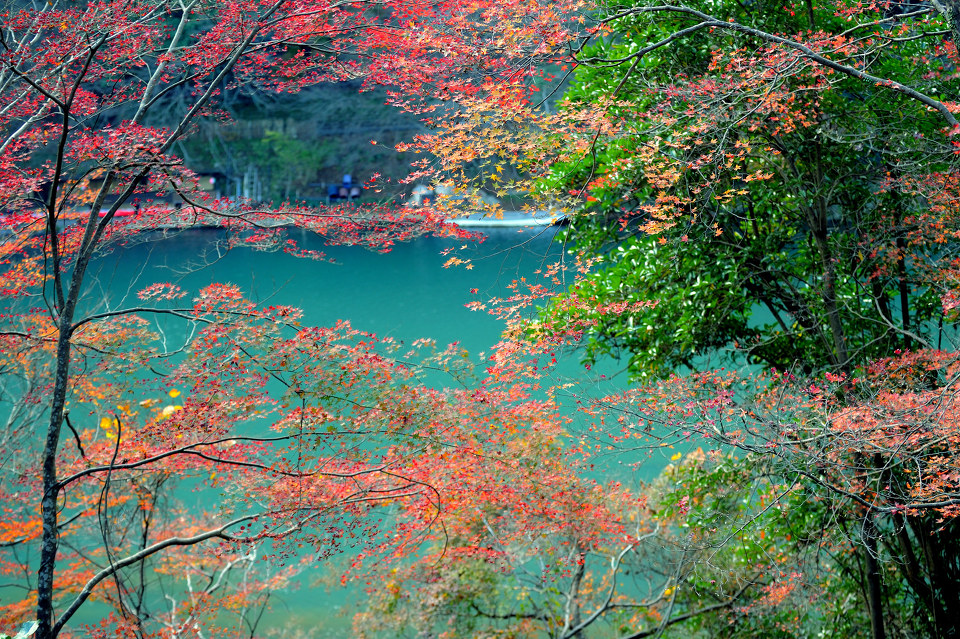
(791, 202)
(771, 185)
(779, 190)
(768, 186)
(94, 97)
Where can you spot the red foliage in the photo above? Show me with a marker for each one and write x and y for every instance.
(303, 433)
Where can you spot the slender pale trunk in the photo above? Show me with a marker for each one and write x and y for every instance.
(869, 544)
(572, 612)
(903, 285)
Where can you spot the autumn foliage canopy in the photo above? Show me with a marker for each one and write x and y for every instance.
(768, 187)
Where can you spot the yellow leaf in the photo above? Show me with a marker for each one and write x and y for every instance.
(169, 410)
(174, 393)
(676, 457)
(110, 427)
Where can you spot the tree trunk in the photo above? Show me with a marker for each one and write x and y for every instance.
(950, 10)
(572, 613)
(817, 219)
(868, 535)
(50, 533)
(48, 503)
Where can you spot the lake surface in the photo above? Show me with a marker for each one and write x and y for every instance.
(405, 294)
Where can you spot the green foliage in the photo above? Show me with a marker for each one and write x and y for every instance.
(792, 246)
(750, 206)
(449, 595)
(293, 145)
(752, 526)
(695, 307)
(732, 550)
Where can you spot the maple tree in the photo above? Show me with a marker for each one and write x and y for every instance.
(641, 564)
(768, 182)
(795, 158)
(873, 453)
(301, 432)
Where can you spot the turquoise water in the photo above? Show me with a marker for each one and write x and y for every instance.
(405, 294)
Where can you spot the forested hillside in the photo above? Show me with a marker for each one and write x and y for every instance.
(290, 146)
